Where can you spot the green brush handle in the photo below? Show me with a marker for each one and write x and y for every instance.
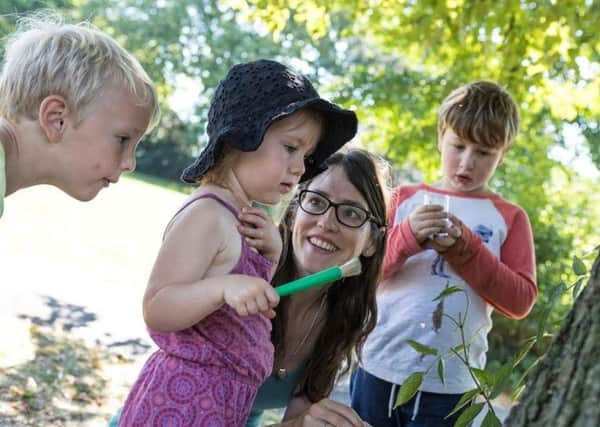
(318, 279)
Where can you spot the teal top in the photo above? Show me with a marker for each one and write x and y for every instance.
(2, 179)
(274, 393)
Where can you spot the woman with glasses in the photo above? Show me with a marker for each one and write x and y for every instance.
(340, 214)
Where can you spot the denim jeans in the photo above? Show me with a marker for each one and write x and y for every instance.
(370, 398)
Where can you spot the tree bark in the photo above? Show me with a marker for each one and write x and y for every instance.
(564, 389)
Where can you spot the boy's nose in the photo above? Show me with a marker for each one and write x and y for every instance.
(129, 162)
(468, 160)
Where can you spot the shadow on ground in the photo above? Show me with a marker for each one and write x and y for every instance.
(66, 317)
(65, 383)
(60, 386)
(62, 315)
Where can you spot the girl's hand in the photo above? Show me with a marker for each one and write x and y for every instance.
(260, 232)
(427, 220)
(251, 295)
(327, 412)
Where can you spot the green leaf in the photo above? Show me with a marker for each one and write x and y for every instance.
(524, 350)
(458, 348)
(447, 292)
(502, 375)
(555, 294)
(467, 416)
(465, 398)
(491, 420)
(577, 287)
(422, 348)
(409, 388)
(543, 322)
(440, 370)
(579, 267)
(517, 392)
(485, 378)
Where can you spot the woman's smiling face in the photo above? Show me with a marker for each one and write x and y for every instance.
(321, 241)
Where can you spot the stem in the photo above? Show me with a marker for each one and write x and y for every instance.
(468, 365)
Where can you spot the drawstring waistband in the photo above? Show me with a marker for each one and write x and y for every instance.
(416, 407)
(391, 401)
(393, 398)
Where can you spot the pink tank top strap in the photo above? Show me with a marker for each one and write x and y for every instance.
(213, 196)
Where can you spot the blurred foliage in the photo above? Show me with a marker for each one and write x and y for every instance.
(394, 61)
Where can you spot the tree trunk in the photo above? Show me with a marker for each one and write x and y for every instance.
(564, 389)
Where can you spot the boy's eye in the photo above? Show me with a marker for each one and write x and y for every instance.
(122, 139)
(290, 148)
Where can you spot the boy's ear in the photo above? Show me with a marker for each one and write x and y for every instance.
(53, 114)
(502, 154)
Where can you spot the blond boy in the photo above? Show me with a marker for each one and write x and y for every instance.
(73, 107)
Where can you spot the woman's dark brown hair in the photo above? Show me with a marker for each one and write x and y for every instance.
(351, 308)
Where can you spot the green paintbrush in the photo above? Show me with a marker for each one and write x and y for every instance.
(331, 274)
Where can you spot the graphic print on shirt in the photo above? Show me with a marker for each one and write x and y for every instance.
(437, 268)
(438, 314)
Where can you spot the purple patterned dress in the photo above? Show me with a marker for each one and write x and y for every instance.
(206, 375)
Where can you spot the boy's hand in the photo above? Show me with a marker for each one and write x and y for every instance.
(427, 220)
(260, 232)
(454, 232)
(251, 295)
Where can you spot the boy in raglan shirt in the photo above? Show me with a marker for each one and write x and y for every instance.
(485, 246)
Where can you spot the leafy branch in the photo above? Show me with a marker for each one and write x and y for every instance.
(488, 385)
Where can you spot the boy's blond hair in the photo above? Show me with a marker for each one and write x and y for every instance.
(481, 112)
(46, 56)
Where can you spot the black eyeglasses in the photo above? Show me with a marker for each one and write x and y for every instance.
(315, 203)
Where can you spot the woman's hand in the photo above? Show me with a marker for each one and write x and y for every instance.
(327, 413)
(260, 232)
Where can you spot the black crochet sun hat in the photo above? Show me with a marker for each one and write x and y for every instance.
(250, 98)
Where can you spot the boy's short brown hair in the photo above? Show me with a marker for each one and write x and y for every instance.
(481, 112)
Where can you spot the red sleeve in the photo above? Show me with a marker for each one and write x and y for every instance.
(508, 283)
(401, 242)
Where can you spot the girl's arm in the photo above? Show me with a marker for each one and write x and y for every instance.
(179, 293)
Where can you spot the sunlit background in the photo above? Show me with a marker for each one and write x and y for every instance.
(80, 269)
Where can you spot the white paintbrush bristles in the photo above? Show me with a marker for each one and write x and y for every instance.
(351, 268)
